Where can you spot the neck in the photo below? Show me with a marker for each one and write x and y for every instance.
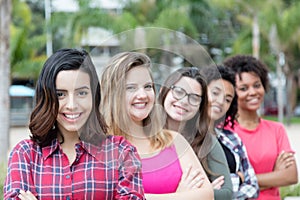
(136, 131)
(211, 127)
(70, 138)
(174, 125)
(248, 119)
(140, 140)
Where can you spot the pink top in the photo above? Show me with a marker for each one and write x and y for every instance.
(162, 172)
(263, 145)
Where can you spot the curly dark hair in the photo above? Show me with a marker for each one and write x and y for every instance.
(247, 63)
(43, 118)
(220, 71)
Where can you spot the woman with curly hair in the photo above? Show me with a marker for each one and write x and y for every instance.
(223, 109)
(266, 141)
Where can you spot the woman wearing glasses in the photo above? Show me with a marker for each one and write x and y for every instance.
(185, 101)
(128, 105)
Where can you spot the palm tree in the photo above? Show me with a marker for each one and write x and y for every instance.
(5, 11)
(287, 25)
(277, 22)
(27, 42)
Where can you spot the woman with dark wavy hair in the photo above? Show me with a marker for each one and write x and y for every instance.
(68, 155)
(184, 98)
(222, 111)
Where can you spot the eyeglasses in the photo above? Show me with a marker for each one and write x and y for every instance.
(179, 93)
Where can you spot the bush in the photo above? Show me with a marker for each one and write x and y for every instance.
(3, 170)
(293, 190)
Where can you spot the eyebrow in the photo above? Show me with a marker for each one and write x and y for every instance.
(229, 95)
(80, 88)
(150, 82)
(217, 87)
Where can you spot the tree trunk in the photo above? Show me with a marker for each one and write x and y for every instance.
(5, 17)
(256, 37)
(291, 96)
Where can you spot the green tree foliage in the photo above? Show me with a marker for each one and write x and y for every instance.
(27, 42)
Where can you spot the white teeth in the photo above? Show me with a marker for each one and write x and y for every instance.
(253, 100)
(72, 116)
(140, 105)
(216, 108)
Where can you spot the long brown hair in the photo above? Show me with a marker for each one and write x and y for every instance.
(113, 91)
(195, 130)
(43, 118)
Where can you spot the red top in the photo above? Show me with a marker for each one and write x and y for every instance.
(108, 171)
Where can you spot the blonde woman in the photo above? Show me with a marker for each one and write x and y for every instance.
(170, 168)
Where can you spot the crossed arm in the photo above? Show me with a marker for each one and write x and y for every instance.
(284, 172)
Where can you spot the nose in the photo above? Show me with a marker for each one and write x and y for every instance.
(185, 100)
(220, 99)
(252, 91)
(141, 93)
(71, 102)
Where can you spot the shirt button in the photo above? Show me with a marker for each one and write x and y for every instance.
(68, 198)
(68, 176)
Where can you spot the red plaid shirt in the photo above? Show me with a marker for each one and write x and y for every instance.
(109, 171)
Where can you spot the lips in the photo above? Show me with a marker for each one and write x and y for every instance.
(140, 105)
(180, 109)
(71, 116)
(253, 101)
(216, 108)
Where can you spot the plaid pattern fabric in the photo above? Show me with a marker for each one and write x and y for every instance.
(108, 171)
(249, 188)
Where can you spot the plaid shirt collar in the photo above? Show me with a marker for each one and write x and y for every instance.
(93, 150)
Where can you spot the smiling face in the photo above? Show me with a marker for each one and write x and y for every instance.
(140, 94)
(75, 100)
(181, 110)
(250, 91)
(220, 96)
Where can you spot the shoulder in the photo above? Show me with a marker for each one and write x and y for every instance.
(270, 123)
(25, 145)
(216, 149)
(227, 132)
(118, 142)
(231, 135)
(216, 146)
(24, 150)
(177, 138)
(179, 142)
(272, 127)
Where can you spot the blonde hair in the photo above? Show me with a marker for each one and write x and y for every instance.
(113, 105)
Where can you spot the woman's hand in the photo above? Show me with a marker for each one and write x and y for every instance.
(241, 175)
(26, 195)
(284, 160)
(218, 182)
(190, 180)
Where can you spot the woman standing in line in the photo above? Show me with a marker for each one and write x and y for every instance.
(128, 106)
(68, 155)
(266, 141)
(223, 109)
(184, 98)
